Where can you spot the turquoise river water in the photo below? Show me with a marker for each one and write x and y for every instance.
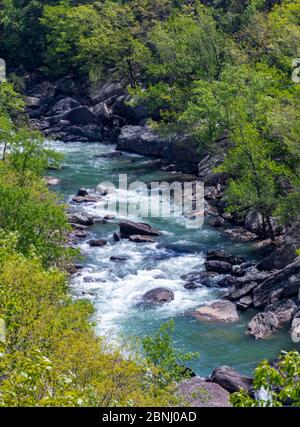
(116, 288)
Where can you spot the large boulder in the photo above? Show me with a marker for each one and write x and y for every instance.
(80, 218)
(218, 266)
(108, 92)
(63, 106)
(220, 311)
(284, 310)
(158, 296)
(142, 140)
(130, 228)
(283, 284)
(263, 325)
(81, 115)
(199, 393)
(295, 329)
(206, 170)
(278, 259)
(91, 132)
(254, 222)
(231, 380)
(103, 113)
(133, 114)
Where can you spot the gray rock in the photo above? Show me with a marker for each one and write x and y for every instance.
(278, 259)
(231, 380)
(244, 303)
(80, 116)
(130, 228)
(220, 311)
(158, 296)
(240, 234)
(108, 92)
(141, 239)
(89, 132)
(284, 310)
(282, 284)
(85, 199)
(103, 113)
(80, 218)
(141, 140)
(206, 167)
(199, 393)
(198, 278)
(219, 222)
(63, 106)
(224, 256)
(295, 329)
(263, 325)
(252, 275)
(99, 243)
(116, 237)
(238, 293)
(218, 266)
(51, 181)
(254, 223)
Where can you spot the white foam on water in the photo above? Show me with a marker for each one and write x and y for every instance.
(118, 287)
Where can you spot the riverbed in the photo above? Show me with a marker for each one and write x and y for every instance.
(116, 288)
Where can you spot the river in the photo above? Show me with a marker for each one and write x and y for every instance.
(115, 288)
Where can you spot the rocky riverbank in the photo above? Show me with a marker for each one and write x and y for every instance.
(61, 110)
(271, 285)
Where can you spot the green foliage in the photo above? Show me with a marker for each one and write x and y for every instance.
(51, 356)
(10, 101)
(280, 384)
(159, 351)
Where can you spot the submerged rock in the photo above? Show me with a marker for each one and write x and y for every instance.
(220, 311)
(141, 239)
(97, 243)
(197, 279)
(158, 296)
(51, 180)
(85, 199)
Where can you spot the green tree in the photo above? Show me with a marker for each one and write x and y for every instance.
(159, 351)
(279, 384)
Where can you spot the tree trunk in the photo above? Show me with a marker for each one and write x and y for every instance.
(270, 228)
